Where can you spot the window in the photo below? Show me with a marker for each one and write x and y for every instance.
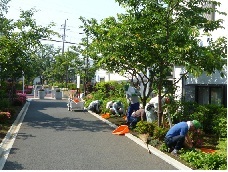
(102, 80)
(211, 95)
(203, 95)
(216, 96)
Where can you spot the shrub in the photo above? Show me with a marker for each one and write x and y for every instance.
(222, 146)
(212, 117)
(19, 100)
(4, 103)
(204, 161)
(144, 127)
(4, 116)
(159, 132)
(163, 147)
(71, 86)
(107, 91)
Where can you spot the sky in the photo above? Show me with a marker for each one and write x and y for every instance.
(58, 11)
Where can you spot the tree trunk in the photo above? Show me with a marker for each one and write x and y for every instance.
(159, 106)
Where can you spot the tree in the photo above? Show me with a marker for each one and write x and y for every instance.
(157, 36)
(43, 64)
(70, 60)
(19, 41)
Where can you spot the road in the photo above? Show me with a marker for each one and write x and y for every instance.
(53, 138)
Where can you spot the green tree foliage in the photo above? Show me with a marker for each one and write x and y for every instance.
(63, 63)
(157, 35)
(42, 61)
(19, 40)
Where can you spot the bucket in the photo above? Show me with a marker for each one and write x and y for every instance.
(121, 130)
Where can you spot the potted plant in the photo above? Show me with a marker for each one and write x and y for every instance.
(41, 93)
(58, 94)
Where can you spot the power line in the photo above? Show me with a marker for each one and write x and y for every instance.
(53, 40)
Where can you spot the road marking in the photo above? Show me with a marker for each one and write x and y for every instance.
(153, 150)
(11, 135)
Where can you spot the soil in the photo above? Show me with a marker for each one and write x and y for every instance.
(117, 120)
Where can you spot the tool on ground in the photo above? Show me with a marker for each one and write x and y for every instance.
(146, 139)
(122, 129)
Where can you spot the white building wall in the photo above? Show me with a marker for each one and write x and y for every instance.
(204, 79)
(103, 74)
(178, 70)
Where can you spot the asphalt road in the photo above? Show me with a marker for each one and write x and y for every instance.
(53, 138)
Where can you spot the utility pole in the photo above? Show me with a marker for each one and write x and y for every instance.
(63, 38)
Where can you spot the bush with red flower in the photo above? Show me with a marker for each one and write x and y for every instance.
(4, 116)
(19, 100)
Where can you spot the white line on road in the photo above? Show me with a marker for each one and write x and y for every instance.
(153, 150)
(11, 135)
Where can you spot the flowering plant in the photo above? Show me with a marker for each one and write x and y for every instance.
(4, 115)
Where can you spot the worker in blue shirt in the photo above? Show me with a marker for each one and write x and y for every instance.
(178, 135)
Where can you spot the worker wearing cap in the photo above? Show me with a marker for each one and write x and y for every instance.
(133, 100)
(178, 135)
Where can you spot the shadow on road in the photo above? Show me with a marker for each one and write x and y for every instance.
(54, 114)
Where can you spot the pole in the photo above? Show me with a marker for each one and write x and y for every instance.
(86, 63)
(87, 60)
(23, 82)
(64, 36)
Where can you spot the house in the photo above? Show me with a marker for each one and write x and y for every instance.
(205, 89)
(104, 76)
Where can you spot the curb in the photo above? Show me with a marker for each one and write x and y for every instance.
(153, 150)
(11, 135)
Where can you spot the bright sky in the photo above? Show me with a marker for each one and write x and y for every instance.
(58, 11)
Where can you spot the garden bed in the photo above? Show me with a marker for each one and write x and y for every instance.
(4, 127)
(209, 147)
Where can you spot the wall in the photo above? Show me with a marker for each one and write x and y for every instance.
(100, 74)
